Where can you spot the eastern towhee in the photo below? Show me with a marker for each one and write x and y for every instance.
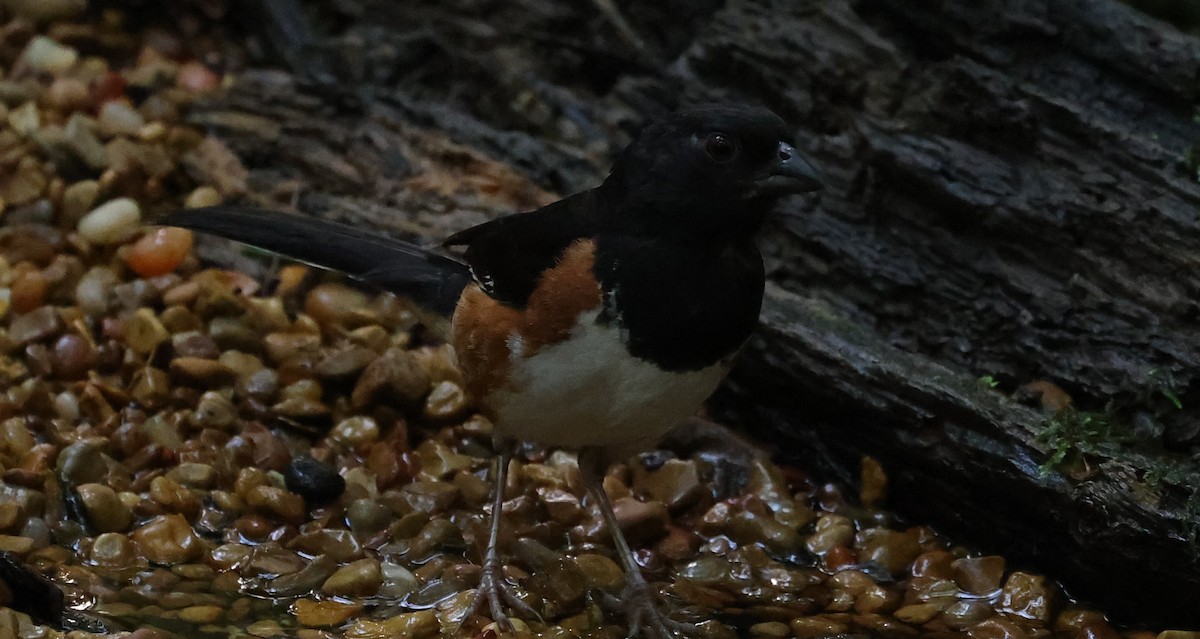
(598, 322)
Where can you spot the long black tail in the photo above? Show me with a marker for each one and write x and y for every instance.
(431, 279)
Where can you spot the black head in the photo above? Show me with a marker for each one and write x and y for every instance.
(714, 170)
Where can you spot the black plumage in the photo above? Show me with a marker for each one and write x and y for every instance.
(431, 278)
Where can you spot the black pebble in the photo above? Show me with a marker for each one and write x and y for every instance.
(314, 481)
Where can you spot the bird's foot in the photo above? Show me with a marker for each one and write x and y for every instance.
(494, 593)
(646, 616)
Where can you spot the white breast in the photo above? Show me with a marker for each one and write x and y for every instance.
(589, 391)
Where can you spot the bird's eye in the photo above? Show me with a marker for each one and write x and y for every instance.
(720, 147)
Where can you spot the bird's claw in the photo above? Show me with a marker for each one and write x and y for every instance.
(495, 592)
(645, 616)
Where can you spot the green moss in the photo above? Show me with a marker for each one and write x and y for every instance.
(1077, 440)
(989, 381)
(1072, 435)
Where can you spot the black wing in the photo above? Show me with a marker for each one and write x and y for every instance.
(507, 255)
(431, 279)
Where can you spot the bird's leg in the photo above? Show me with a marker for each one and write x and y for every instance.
(493, 590)
(636, 600)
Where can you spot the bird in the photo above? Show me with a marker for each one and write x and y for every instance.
(593, 324)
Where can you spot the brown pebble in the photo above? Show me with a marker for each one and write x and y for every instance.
(253, 527)
(344, 362)
(420, 625)
(35, 326)
(811, 627)
(334, 303)
(173, 497)
(996, 628)
(143, 332)
(1026, 595)
(28, 289)
(113, 550)
(602, 572)
(73, 357)
(206, 373)
(202, 614)
(978, 575)
(892, 549)
(105, 511)
(325, 613)
(395, 375)
(919, 613)
(447, 401)
(641, 521)
(288, 506)
(168, 539)
(10, 510)
(15, 544)
(360, 578)
(676, 483)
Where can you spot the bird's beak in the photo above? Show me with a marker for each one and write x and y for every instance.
(788, 173)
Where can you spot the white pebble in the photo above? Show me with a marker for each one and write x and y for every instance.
(118, 118)
(201, 197)
(111, 222)
(44, 54)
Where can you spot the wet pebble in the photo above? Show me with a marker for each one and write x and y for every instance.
(113, 550)
(676, 483)
(193, 475)
(325, 613)
(168, 539)
(641, 521)
(416, 625)
(817, 626)
(997, 628)
(174, 497)
(286, 505)
(1026, 595)
(339, 544)
(601, 572)
(890, 549)
(439, 460)
(367, 517)
(749, 528)
(398, 581)
(105, 511)
(978, 575)
(961, 615)
(81, 463)
(359, 578)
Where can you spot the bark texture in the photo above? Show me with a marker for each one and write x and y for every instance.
(1011, 191)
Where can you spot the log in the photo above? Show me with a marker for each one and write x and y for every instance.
(1011, 193)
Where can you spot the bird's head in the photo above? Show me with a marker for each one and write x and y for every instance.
(714, 170)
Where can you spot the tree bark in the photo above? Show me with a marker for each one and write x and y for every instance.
(1011, 191)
